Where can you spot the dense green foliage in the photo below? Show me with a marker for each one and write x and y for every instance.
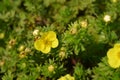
(83, 32)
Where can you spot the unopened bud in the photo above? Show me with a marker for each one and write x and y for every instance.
(61, 54)
(35, 32)
(27, 50)
(51, 68)
(9, 46)
(22, 54)
(23, 65)
(114, 1)
(2, 35)
(107, 18)
(21, 48)
(62, 49)
(84, 24)
(73, 30)
(2, 63)
(12, 42)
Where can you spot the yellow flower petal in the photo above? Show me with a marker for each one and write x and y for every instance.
(62, 78)
(51, 36)
(117, 45)
(46, 49)
(39, 44)
(44, 35)
(68, 75)
(115, 63)
(55, 43)
(111, 54)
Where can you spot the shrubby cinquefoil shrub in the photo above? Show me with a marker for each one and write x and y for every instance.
(59, 40)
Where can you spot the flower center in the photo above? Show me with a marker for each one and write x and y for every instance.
(47, 42)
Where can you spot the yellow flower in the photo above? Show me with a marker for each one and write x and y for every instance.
(67, 77)
(47, 40)
(113, 55)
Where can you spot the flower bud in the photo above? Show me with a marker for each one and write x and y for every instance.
(9, 46)
(22, 54)
(2, 35)
(84, 24)
(107, 18)
(21, 48)
(23, 65)
(2, 63)
(73, 30)
(27, 50)
(12, 42)
(35, 32)
(62, 49)
(51, 68)
(62, 54)
(114, 1)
